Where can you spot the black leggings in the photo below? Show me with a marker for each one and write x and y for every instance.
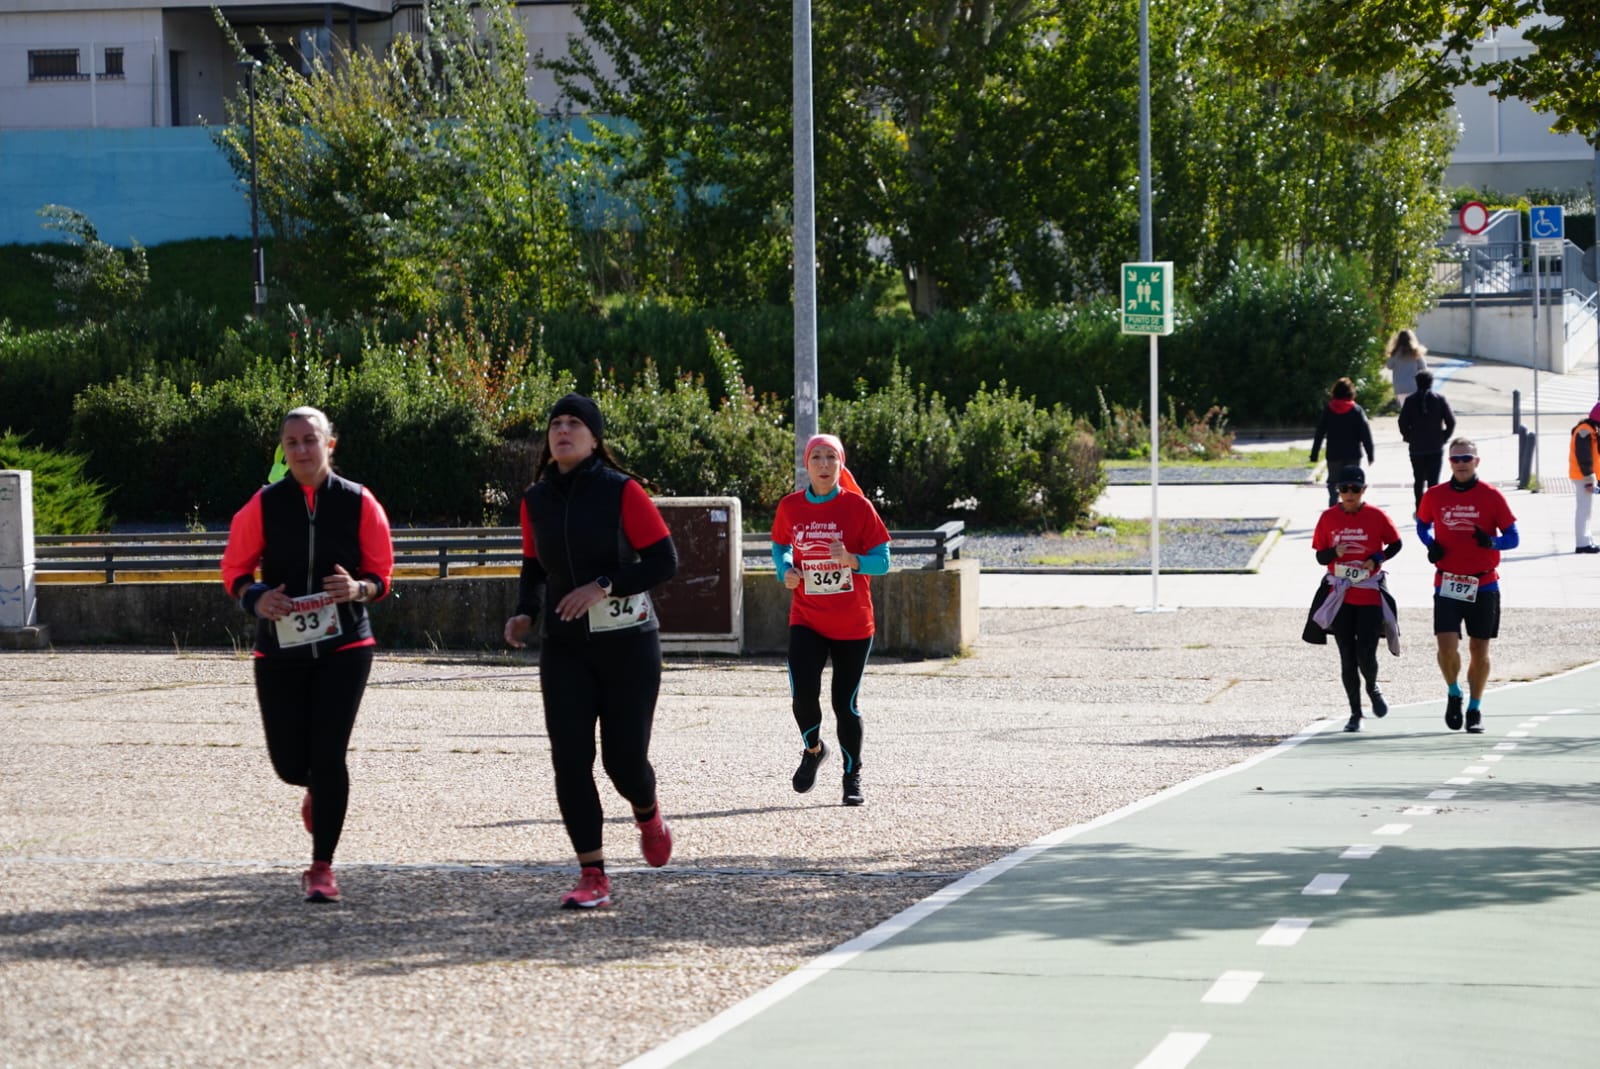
(808, 652)
(612, 681)
(1357, 629)
(308, 708)
(1424, 472)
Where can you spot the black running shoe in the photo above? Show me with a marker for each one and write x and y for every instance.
(1452, 712)
(805, 777)
(1380, 708)
(1475, 721)
(852, 789)
(1354, 723)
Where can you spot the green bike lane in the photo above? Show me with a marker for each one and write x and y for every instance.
(1405, 896)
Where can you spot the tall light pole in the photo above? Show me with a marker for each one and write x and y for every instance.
(805, 247)
(258, 260)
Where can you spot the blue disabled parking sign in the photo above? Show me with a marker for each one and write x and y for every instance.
(1546, 222)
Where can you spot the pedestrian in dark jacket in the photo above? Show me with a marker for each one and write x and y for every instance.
(1344, 425)
(1426, 423)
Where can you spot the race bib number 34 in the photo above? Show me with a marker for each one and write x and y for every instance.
(827, 577)
(614, 614)
(311, 618)
(1459, 587)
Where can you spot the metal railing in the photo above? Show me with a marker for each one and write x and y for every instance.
(426, 550)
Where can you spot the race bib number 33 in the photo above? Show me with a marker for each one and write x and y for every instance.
(311, 618)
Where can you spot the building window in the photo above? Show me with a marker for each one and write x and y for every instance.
(53, 65)
(113, 65)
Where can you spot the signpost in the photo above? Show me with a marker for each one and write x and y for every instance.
(1547, 231)
(1147, 309)
(1473, 218)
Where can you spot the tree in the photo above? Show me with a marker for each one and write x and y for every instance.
(1423, 48)
(415, 179)
(99, 280)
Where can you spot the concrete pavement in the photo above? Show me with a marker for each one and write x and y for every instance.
(1542, 572)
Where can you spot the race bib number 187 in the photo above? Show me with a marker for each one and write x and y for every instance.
(1458, 587)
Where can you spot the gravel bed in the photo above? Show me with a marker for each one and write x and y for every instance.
(1187, 545)
(1196, 474)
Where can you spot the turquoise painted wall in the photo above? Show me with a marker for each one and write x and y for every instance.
(150, 185)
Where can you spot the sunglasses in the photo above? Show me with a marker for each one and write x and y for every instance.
(1350, 488)
(1462, 458)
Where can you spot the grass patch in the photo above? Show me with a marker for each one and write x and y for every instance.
(1268, 458)
(1111, 541)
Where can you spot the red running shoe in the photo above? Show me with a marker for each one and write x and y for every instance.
(655, 840)
(319, 884)
(593, 891)
(305, 812)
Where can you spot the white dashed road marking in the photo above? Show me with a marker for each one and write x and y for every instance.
(1441, 795)
(1285, 933)
(1393, 829)
(1175, 1051)
(1325, 883)
(1419, 810)
(1360, 851)
(1233, 987)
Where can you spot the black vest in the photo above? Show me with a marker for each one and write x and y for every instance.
(301, 550)
(577, 531)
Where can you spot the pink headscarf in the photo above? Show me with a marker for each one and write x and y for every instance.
(846, 480)
(1594, 416)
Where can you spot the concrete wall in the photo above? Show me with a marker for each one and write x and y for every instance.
(1504, 331)
(921, 613)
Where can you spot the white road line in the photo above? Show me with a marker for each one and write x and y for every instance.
(1493, 757)
(1419, 810)
(1325, 883)
(1540, 719)
(1529, 725)
(1393, 829)
(1441, 795)
(1285, 933)
(1233, 987)
(1474, 770)
(1361, 851)
(1516, 734)
(1505, 746)
(1564, 712)
(1175, 1051)
(1460, 781)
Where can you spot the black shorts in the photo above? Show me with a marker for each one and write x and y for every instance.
(1482, 617)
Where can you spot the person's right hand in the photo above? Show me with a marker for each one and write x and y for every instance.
(791, 578)
(517, 629)
(274, 604)
(1435, 553)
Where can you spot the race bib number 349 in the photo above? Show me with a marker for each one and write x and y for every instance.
(311, 618)
(827, 577)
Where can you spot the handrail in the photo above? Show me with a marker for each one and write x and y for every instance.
(444, 547)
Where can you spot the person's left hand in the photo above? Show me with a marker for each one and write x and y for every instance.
(1483, 538)
(341, 584)
(839, 555)
(577, 602)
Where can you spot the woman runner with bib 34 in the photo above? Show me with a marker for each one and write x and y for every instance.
(826, 541)
(321, 544)
(593, 546)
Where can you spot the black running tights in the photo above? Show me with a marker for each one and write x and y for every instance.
(1357, 630)
(1425, 468)
(808, 652)
(308, 708)
(613, 682)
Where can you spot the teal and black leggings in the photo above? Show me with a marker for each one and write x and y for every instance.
(308, 708)
(808, 652)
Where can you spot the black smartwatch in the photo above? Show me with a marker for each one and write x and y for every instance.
(604, 583)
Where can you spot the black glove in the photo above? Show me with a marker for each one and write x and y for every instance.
(1435, 553)
(1483, 538)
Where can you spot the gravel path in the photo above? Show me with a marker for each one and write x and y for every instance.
(149, 914)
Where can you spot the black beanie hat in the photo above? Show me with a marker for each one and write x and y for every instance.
(575, 404)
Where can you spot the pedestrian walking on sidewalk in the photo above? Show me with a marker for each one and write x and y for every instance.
(593, 546)
(1407, 357)
(305, 556)
(1426, 424)
(826, 541)
(1583, 466)
(1465, 523)
(1354, 540)
(1344, 425)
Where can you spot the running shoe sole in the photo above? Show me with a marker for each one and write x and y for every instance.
(1452, 712)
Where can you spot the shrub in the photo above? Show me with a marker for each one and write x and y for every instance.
(65, 500)
(1020, 464)
(901, 446)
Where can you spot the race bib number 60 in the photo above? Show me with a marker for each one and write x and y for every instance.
(311, 618)
(827, 577)
(1353, 573)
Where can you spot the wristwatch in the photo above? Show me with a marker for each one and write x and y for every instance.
(604, 583)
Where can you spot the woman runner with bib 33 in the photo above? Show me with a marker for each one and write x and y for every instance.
(593, 546)
(826, 541)
(321, 544)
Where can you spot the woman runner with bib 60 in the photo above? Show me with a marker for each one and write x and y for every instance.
(825, 542)
(593, 546)
(323, 549)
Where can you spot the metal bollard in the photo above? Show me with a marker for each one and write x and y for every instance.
(1526, 441)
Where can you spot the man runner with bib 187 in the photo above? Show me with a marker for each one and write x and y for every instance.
(1465, 523)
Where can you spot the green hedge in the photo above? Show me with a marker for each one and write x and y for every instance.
(65, 500)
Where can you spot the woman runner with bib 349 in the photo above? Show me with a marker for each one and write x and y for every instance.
(826, 541)
(593, 546)
(322, 546)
